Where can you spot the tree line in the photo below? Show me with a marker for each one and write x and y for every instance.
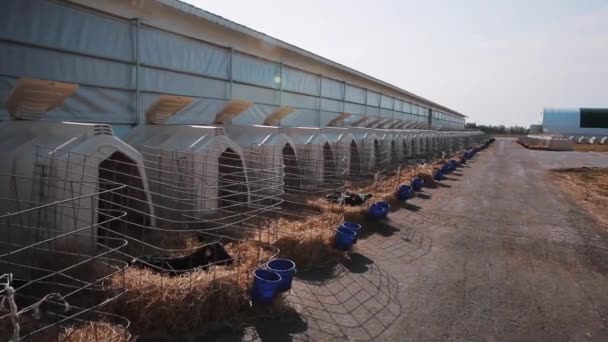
(500, 129)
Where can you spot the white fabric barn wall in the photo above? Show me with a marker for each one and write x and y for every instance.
(57, 41)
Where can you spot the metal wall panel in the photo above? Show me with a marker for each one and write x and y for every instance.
(352, 119)
(332, 105)
(386, 102)
(386, 113)
(300, 82)
(355, 94)
(255, 94)
(326, 117)
(255, 115)
(19, 61)
(93, 104)
(52, 24)
(332, 89)
(398, 105)
(299, 101)
(162, 49)
(168, 82)
(255, 71)
(6, 86)
(354, 108)
(407, 107)
(373, 99)
(372, 110)
(301, 117)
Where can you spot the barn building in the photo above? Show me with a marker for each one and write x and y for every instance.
(118, 58)
(576, 123)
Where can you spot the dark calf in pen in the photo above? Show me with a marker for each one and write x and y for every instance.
(348, 198)
(203, 257)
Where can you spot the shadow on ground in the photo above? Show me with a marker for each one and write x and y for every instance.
(423, 195)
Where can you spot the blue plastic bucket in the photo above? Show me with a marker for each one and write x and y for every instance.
(438, 175)
(405, 187)
(286, 269)
(445, 169)
(453, 163)
(265, 286)
(417, 183)
(404, 192)
(352, 226)
(375, 212)
(345, 238)
(385, 206)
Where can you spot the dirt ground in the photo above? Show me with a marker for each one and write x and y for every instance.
(590, 148)
(499, 252)
(589, 188)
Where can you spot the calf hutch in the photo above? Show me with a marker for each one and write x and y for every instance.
(193, 170)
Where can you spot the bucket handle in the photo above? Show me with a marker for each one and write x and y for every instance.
(295, 270)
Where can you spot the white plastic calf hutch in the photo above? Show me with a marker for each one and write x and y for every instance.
(421, 142)
(387, 146)
(68, 160)
(416, 144)
(369, 148)
(346, 149)
(270, 156)
(193, 170)
(400, 137)
(408, 143)
(316, 158)
(429, 143)
(392, 145)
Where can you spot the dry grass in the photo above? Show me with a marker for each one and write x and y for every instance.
(590, 148)
(589, 187)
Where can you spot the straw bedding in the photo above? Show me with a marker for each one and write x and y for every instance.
(162, 304)
(308, 242)
(98, 331)
(95, 331)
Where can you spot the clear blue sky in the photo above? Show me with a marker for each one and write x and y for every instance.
(499, 62)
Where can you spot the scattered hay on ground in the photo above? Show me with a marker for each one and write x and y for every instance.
(590, 148)
(589, 187)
